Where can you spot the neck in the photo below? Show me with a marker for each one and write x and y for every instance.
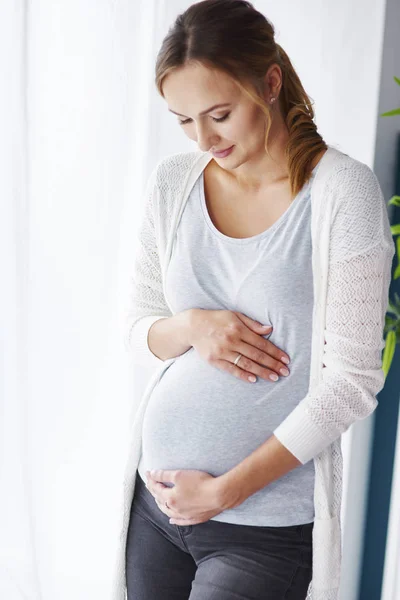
(263, 170)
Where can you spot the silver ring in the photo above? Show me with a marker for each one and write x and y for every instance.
(239, 356)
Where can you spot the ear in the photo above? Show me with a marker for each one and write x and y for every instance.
(272, 82)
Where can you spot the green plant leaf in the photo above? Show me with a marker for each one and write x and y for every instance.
(390, 321)
(393, 309)
(391, 113)
(397, 80)
(388, 352)
(396, 273)
(395, 229)
(395, 200)
(393, 324)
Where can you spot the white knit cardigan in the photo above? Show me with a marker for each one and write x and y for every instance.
(352, 253)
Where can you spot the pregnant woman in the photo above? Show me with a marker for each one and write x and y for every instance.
(264, 225)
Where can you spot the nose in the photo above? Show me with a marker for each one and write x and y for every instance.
(205, 138)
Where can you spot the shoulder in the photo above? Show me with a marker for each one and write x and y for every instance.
(349, 186)
(349, 178)
(359, 217)
(171, 170)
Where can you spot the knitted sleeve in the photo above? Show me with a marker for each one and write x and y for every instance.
(359, 273)
(147, 303)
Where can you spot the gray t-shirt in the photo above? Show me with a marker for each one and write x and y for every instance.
(199, 417)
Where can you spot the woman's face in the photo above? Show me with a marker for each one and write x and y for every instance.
(194, 89)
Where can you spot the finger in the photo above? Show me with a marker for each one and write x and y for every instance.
(264, 355)
(169, 512)
(157, 490)
(266, 346)
(253, 361)
(157, 486)
(161, 501)
(236, 371)
(162, 475)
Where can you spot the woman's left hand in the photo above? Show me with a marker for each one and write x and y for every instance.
(195, 497)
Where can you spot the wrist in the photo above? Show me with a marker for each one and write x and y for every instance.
(229, 491)
(188, 319)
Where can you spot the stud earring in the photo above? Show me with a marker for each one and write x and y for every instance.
(273, 100)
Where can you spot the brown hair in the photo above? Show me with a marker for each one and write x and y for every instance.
(233, 37)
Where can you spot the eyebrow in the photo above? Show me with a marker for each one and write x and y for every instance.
(204, 112)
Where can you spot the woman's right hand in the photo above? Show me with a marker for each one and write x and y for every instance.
(220, 335)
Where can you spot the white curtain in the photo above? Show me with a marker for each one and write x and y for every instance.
(81, 128)
(80, 131)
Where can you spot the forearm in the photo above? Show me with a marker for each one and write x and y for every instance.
(169, 337)
(268, 462)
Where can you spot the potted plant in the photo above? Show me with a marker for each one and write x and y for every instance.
(392, 317)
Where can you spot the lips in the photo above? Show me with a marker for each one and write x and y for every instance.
(222, 153)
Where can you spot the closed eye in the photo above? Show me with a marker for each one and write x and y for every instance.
(216, 120)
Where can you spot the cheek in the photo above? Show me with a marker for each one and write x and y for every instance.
(247, 126)
(237, 132)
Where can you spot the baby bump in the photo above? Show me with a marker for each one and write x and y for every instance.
(199, 417)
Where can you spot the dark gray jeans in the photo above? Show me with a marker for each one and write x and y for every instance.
(213, 560)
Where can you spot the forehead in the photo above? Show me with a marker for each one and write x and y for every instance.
(193, 88)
